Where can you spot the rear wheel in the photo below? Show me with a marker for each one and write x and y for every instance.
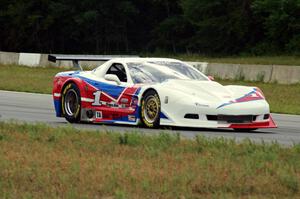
(71, 103)
(150, 109)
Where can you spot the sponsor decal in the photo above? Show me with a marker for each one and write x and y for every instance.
(112, 104)
(98, 114)
(166, 100)
(56, 94)
(201, 105)
(124, 100)
(134, 102)
(131, 118)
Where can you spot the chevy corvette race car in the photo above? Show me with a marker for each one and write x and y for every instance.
(153, 92)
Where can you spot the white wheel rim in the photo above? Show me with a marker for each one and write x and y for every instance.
(71, 102)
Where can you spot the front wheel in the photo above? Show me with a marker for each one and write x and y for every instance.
(150, 109)
(71, 103)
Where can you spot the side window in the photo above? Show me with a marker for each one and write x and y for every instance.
(119, 70)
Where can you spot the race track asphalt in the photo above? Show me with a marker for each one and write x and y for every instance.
(29, 107)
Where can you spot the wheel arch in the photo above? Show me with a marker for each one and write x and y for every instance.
(76, 82)
(147, 90)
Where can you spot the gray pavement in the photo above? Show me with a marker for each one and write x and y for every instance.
(33, 108)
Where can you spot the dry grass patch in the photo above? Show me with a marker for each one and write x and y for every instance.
(38, 161)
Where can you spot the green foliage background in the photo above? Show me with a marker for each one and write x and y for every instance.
(207, 27)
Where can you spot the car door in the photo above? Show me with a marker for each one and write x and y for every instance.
(114, 97)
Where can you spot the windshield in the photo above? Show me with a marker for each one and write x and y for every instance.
(153, 72)
(182, 68)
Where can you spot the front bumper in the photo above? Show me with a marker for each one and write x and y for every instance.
(269, 123)
(255, 109)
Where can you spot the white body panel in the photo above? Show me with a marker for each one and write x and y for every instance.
(204, 98)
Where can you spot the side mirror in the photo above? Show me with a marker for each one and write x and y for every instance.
(113, 78)
(211, 78)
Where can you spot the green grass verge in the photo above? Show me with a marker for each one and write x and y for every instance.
(38, 161)
(282, 98)
(26, 79)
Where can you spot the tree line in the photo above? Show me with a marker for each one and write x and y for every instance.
(206, 27)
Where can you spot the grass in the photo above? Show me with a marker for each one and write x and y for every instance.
(38, 161)
(26, 79)
(282, 98)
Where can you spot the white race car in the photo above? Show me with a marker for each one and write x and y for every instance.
(153, 92)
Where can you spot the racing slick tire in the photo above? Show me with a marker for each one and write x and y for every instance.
(150, 109)
(71, 103)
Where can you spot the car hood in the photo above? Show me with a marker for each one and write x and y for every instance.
(209, 90)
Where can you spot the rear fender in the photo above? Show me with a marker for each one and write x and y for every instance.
(59, 84)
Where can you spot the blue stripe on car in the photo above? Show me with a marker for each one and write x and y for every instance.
(57, 108)
(112, 90)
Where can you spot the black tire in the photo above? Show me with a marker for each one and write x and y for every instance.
(150, 109)
(244, 130)
(71, 103)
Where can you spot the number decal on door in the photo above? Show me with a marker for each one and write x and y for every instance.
(97, 95)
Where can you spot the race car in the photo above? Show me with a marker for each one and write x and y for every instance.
(153, 92)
